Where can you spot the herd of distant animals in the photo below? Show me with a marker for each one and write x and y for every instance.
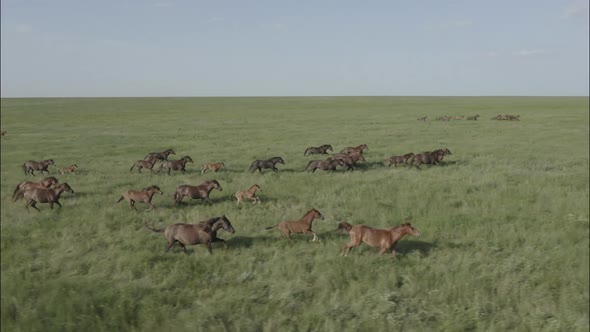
(472, 118)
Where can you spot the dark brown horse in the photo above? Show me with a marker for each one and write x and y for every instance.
(269, 163)
(301, 226)
(176, 165)
(44, 195)
(318, 150)
(32, 166)
(325, 165)
(407, 156)
(27, 185)
(160, 155)
(428, 157)
(355, 149)
(142, 196)
(350, 159)
(201, 191)
(204, 232)
(147, 164)
(473, 117)
(386, 239)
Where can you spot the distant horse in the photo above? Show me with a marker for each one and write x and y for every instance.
(201, 191)
(350, 159)
(318, 150)
(27, 185)
(32, 166)
(176, 165)
(160, 155)
(301, 226)
(204, 232)
(394, 160)
(147, 164)
(355, 149)
(422, 118)
(325, 165)
(44, 195)
(429, 157)
(473, 118)
(266, 164)
(386, 239)
(69, 169)
(248, 194)
(212, 166)
(143, 196)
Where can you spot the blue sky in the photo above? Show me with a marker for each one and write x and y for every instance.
(293, 48)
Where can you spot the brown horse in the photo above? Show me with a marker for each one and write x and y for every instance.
(249, 194)
(204, 232)
(160, 155)
(176, 165)
(212, 166)
(325, 165)
(318, 150)
(201, 191)
(301, 226)
(427, 157)
(350, 159)
(44, 195)
(394, 160)
(473, 117)
(32, 166)
(386, 239)
(147, 164)
(355, 149)
(69, 169)
(27, 185)
(143, 196)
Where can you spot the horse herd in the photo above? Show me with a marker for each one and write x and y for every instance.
(49, 190)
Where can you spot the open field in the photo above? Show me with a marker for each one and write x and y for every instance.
(504, 220)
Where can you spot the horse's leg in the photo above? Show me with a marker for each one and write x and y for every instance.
(315, 237)
(32, 171)
(34, 205)
(170, 244)
(152, 206)
(58, 204)
(183, 247)
(208, 200)
(382, 251)
(209, 248)
(139, 169)
(220, 240)
(169, 171)
(51, 205)
(275, 169)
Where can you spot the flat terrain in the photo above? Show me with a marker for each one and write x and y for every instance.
(504, 219)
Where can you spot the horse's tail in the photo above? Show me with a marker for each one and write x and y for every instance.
(253, 166)
(15, 190)
(308, 164)
(155, 230)
(18, 194)
(159, 169)
(131, 169)
(121, 198)
(272, 226)
(344, 226)
(306, 151)
(24, 167)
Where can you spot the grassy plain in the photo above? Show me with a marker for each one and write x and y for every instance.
(505, 227)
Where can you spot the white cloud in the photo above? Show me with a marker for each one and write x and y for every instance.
(575, 9)
(525, 52)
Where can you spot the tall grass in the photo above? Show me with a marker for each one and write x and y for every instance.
(505, 242)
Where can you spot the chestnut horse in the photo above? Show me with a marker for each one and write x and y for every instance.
(44, 183)
(201, 191)
(69, 169)
(160, 155)
(143, 196)
(386, 239)
(301, 226)
(147, 164)
(355, 149)
(249, 194)
(44, 195)
(212, 166)
(204, 232)
(350, 159)
(318, 150)
(32, 166)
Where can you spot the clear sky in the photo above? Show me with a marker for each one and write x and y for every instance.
(293, 48)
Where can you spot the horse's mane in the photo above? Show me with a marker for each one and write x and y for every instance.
(209, 222)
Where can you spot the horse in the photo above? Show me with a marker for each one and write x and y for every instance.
(44, 195)
(422, 118)
(325, 165)
(460, 117)
(318, 150)
(350, 159)
(386, 239)
(355, 149)
(147, 164)
(394, 160)
(441, 153)
(69, 169)
(474, 117)
(143, 196)
(27, 185)
(212, 166)
(32, 166)
(269, 163)
(301, 226)
(204, 232)
(160, 155)
(201, 191)
(177, 165)
(424, 158)
(249, 194)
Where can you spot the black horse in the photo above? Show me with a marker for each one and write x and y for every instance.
(318, 150)
(269, 163)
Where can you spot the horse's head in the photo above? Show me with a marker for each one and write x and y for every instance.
(447, 151)
(411, 230)
(49, 162)
(154, 190)
(257, 187)
(226, 224)
(279, 160)
(316, 214)
(74, 166)
(187, 159)
(216, 185)
(364, 147)
(170, 151)
(65, 187)
(221, 165)
(329, 147)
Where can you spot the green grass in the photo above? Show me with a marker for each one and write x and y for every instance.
(504, 221)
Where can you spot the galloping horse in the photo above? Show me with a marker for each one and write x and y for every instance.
(27, 185)
(318, 150)
(201, 191)
(212, 166)
(44, 195)
(248, 194)
(355, 149)
(32, 166)
(301, 226)
(386, 239)
(69, 169)
(350, 159)
(143, 196)
(176, 165)
(160, 155)
(205, 232)
(326, 165)
(269, 163)
(147, 164)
